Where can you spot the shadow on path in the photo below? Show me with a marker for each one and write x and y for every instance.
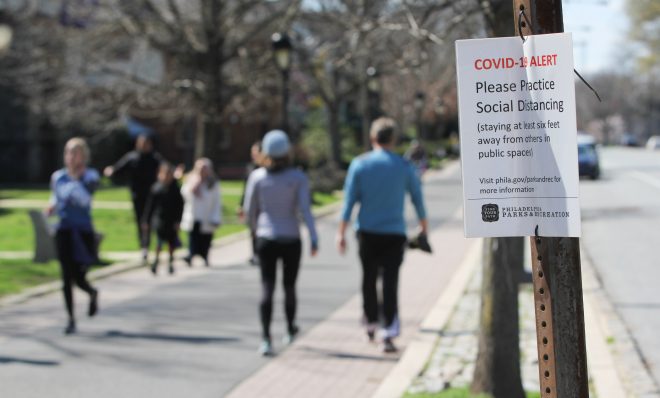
(23, 361)
(348, 355)
(170, 337)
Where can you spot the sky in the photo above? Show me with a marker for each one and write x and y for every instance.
(599, 29)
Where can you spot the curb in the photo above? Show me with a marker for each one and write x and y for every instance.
(600, 363)
(603, 371)
(125, 266)
(414, 359)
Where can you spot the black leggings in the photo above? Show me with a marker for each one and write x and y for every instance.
(199, 242)
(72, 271)
(139, 203)
(380, 253)
(269, 252)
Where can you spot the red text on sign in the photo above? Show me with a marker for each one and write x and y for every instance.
(509, 63)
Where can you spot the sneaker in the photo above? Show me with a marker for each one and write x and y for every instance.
(266, 348)
(371, 335)
(188, 260)
(254, 260)
(388, 346)
(290, 336)
(171, 269)
(70, 328)
(93, 303)
(154, 267)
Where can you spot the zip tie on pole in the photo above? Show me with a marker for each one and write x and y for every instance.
(521, 23)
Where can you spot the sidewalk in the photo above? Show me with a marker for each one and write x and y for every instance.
(439, 304)
(334, 359)
(439, 340)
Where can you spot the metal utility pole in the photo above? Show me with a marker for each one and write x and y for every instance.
(556, 270)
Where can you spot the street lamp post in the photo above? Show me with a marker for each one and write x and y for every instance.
(367, 88)
(373, 88)
(282, 53)
(418, 103)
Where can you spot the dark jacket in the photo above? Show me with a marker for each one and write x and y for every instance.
(141, 170)
(164, 206)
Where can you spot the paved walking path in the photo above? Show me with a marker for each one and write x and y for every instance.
(196, 334)
(334, 359)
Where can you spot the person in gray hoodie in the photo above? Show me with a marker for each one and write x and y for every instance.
(276, 194)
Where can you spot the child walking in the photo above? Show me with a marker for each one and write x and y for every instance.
(163, 214)
(202, 212)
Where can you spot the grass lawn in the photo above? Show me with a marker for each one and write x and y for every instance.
(16, 275)
(459, 393)
(106, 192)
(118, 227)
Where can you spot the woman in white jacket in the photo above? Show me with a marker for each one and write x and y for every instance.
(202, 210)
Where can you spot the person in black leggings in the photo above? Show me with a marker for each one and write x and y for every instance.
(276, 193)
(72, 190)
(270, 251)
(74, 271)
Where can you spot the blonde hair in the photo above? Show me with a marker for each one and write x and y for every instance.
(78, 143)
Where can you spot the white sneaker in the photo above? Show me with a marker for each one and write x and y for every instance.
(289, 337)
(266, 348)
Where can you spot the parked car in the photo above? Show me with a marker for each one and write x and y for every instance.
(653, 143)
(588, 162)
(628, 140)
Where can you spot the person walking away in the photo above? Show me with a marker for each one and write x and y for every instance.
(162, 214)
(416, 155)
(202, 209)
(255, 155)
(276, 194)
(141, 167)
(378, 181)
(71, 199)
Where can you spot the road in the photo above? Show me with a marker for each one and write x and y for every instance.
(620, 231)
(192, 334)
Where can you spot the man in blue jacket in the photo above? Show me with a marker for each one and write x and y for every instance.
(378, 181)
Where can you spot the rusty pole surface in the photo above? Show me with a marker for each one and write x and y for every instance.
(557, 277)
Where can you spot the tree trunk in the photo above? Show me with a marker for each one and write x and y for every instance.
(497, 370)
(213, 64)
(335, 134)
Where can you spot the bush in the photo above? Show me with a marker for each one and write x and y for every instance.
(326, 178)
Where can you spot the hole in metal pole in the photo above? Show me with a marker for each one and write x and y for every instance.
(543, 324)
(539, 258)
(542, 307)
(541, 291)
(540, 274)
(546, 374)
(545, 357)
(545, 341)
(548, 390)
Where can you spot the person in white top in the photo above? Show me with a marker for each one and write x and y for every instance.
(202, 213)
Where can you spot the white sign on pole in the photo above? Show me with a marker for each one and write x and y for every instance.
(518, 136)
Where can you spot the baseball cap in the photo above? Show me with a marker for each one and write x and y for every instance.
(275, 144)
